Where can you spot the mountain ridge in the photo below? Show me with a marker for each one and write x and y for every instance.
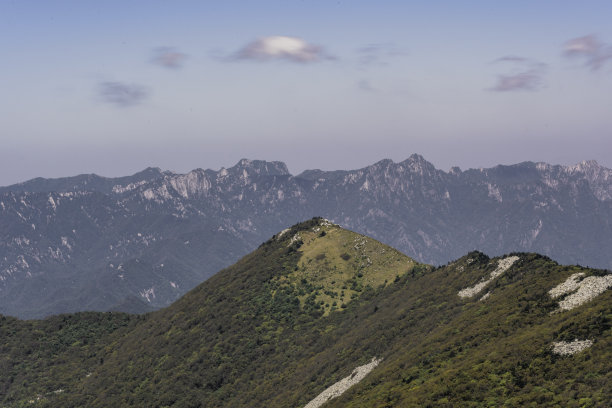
(595, 172)
(146, 236)
(245, 339)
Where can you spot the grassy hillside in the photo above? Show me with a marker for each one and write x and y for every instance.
(336, 265)
(491, 352)
(303, 311)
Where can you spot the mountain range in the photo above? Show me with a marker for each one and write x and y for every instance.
(321, 316)
(138, 243)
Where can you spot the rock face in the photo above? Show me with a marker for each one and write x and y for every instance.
(580, 290)
(344, 384)
(93, 243)
(502, 266)
(568, 348)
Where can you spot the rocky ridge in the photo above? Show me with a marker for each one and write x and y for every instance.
(89, 242)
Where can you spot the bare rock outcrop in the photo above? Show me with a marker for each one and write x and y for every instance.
(502, 266)
(583, 289)
(565, 348)
(344, 384)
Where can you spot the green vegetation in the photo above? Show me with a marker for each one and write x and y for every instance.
(257, 335)
(495, 352)
(39, 358)
(337, 265)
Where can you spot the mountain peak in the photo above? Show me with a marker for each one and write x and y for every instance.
(262, 167)
(149, 171)
(599, 177)
(341, 263)
(417, 163)
(586, 166)
(417, 157)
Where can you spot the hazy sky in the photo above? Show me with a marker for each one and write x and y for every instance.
(112, 87)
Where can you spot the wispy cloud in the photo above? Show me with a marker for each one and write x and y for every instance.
(378, 54)
(524, 81)
(168, 57)
(526, 75)
(122, 94)
(594, 53)
(282, 48)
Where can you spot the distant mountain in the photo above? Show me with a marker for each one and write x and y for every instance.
(319, 311)
(94, 243)
(83, 182)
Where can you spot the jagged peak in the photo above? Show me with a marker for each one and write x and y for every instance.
(262, 167)
(199, 180)
(585, 166)
(416, 162)
(542, 166)
(416, 157)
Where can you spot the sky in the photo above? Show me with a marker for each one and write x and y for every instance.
(112, 87)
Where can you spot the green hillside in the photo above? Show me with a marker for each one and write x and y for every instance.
(308, 307)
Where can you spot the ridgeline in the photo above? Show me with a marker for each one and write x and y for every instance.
(310, 305)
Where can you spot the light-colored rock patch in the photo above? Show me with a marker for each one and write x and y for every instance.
(283, 232)
(295, 238)
(344, 384)
(568, 348)
(327, 223)
(119, 189)
(571, 284)
(502, 266)
(485, 296)
(590, 287)
(148, 294)
(474, 290)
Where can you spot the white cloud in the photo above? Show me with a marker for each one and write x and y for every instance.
(284, 48)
